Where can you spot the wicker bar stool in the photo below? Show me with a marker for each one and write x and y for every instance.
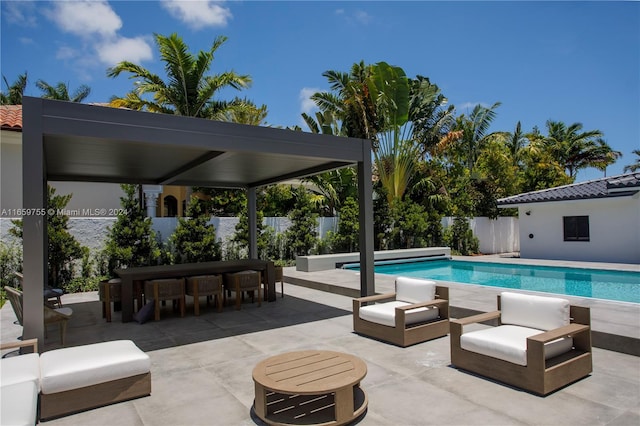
(205, 285)
(240, 282)
(109, 292)
(165, 289)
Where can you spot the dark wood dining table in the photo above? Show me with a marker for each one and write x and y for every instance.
(141, 273)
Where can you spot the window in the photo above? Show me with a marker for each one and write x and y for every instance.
(576, 228)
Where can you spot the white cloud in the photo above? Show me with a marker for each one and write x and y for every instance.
(134, 50)
(65, 53)
(306, 104)
(362, 16)
(85, 18)
(467, 107)
(199, 13)
(20, 13)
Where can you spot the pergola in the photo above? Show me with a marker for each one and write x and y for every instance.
(64, 141)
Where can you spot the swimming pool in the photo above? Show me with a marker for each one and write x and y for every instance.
(597, 283)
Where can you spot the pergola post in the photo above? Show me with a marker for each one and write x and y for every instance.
(252, 213)
(365, 197)
(34, 221)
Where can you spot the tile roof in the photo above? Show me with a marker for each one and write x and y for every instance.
(614, 186)
(11, 117)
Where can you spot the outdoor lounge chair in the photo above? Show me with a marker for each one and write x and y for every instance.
(418, 311)
(58, 316)
(541, 343)
(51, 295)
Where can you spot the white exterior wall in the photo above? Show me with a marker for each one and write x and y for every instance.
(495, 236)
(88, 198)
(614, 230)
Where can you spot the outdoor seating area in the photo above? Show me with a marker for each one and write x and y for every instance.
(64, 381)
(190, 359)
(417, 311)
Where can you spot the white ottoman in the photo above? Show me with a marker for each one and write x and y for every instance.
(82, 377)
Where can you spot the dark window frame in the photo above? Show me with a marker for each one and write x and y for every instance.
(575, 228)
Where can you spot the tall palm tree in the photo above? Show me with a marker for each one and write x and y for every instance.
(60, 91)
(187, 90)
(428, 111)
(577, 150)
(14, 91)
(349, 101)
(470, 134)
(244, 111)
(635, 166)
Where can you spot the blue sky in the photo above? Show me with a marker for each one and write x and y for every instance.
(567, 61)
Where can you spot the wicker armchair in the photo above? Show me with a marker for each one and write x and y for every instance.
(109, 292)
(239, 282)
(416, 312)
(165, 289)
(58, 316)
(541, 343)
(205, 285)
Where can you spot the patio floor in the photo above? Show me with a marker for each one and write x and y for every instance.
(201, 368)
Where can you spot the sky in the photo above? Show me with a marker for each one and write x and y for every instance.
(546, 60)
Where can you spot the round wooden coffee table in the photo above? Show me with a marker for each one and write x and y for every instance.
(310, 387)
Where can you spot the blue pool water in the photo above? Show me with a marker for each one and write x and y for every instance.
(597, 283)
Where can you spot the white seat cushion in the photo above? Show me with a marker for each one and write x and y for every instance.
(543, 313)
(385, 313)
(19, 404)
(415, 290)
(80, 366)
(509, 343)
(19, 369)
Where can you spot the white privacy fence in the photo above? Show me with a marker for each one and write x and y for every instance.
(496, 236)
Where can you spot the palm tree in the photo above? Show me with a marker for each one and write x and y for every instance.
(635, 166)
(577, 150)
(187, 90)
(350, 102)
(428, 111)
(244, 111)
(60, 91)
(14, 91)
(470, 134)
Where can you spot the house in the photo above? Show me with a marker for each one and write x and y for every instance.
(89, 199)
(594, 221)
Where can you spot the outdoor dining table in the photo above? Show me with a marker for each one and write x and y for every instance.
(141, 273)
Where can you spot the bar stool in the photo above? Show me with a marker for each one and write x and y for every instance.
(244, 281)
(165, 289)
(108, 292)
(205, 285)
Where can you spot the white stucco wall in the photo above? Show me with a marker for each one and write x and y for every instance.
(614, 230)
(88, 198)
(498, 235)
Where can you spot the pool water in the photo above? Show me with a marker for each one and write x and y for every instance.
(597, 283)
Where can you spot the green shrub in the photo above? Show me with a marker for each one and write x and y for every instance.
(459, 237)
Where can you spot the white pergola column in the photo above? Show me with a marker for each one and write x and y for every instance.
(151, 194)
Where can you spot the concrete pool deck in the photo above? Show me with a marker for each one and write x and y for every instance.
(201, 366)
(615, 325)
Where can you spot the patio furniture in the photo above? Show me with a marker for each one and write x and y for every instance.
(72, 379)
(310, 387)
(541, 343)
(242, 281)
(165, 289)
(51, 295)
(109, 292)
(205, 285)
(280, 277)
(416, 312)
(143, 273)
(58, 316)
(19, 385)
